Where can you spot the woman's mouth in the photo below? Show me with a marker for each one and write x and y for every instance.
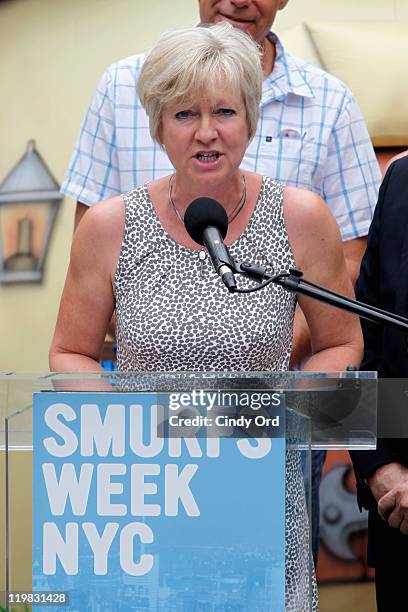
(212, 156)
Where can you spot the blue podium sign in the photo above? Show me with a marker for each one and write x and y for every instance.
(127, 519)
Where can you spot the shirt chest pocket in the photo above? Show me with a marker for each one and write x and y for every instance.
(289, 157)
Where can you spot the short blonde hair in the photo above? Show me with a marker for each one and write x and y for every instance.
(185, 62)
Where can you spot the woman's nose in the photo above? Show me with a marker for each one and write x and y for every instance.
(206, 130)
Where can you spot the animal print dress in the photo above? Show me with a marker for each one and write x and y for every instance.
(174, 313)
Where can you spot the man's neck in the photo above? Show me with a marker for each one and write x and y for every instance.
(268, 56)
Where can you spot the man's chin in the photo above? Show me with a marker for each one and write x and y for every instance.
(240, 25)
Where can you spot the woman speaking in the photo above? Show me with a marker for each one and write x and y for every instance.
(201, 89)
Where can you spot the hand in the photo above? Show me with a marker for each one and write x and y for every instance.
(389, 485)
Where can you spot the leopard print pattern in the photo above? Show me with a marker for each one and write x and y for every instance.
(174, 313)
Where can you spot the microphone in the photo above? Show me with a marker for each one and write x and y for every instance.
(206, 223)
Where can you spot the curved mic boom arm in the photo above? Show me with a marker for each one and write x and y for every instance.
(293, 281)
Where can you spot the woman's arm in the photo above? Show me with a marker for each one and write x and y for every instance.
(87, 301)
(315, 240)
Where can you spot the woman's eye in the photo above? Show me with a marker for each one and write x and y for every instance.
(183, 115)
(225, 112)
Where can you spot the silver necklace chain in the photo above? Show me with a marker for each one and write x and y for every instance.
(234, 213)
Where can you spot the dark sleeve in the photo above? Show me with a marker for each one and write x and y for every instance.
(368, 290)
(368, 283)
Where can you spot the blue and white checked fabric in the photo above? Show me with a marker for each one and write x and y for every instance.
(310, 134)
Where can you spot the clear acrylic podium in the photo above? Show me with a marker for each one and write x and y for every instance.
(322, 411)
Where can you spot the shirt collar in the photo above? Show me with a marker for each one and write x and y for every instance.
(286, 76)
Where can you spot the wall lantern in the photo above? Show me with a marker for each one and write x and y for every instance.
(29, 203)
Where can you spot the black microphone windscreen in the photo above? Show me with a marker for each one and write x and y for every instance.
(201, 213)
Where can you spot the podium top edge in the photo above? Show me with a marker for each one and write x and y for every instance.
(266, 374)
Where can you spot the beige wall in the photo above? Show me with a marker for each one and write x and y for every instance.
(51, 55)
(342, 10)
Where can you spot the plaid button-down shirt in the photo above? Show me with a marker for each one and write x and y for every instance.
(310, 134)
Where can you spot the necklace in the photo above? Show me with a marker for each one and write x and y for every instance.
(233, 214)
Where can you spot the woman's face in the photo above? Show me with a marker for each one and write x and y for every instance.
(206, 139)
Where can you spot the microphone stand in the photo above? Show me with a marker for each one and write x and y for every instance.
(294, 281)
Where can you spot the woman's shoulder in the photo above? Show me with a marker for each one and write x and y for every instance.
(100, 232)
(306, 209)
(105, 216)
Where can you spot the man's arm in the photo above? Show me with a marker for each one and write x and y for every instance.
(353, 254)
(93, 173)
(79, 213)
(386, 477)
